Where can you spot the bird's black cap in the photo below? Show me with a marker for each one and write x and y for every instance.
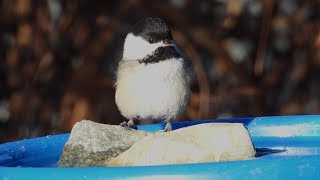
(152, 29)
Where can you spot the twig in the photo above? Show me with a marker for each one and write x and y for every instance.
(264, 33)
(200, 72)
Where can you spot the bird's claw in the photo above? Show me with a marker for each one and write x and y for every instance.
(128, 125)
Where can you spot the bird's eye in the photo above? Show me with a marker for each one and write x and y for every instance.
(151, 40)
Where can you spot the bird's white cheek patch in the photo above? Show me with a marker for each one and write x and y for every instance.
(137, 48)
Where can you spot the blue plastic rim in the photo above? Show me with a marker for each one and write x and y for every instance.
(288, 147)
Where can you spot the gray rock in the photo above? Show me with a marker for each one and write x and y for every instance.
(94, 144)
(210, 142)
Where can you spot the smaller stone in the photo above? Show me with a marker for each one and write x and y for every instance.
(211, 142)
(95, 144)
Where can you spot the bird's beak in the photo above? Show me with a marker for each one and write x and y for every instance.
(168, 42)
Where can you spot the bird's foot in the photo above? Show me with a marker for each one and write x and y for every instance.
(129, 125)
(168, 127)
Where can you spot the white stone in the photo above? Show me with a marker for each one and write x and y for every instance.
(211, 142)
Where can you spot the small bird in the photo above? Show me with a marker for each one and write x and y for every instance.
(152, 79)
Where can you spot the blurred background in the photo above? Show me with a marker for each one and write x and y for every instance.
(250, 58)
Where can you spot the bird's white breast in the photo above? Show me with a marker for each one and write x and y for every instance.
(155, 91)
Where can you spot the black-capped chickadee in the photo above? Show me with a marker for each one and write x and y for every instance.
(152, 77)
